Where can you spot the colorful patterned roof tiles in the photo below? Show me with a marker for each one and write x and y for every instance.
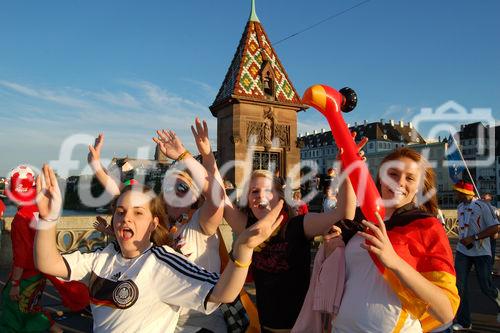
(245, 78)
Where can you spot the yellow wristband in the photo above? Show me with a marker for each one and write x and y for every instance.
(237, 263)
(183, 155)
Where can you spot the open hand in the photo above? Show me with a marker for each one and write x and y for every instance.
(256, 234)
(361, 144)
(200, 134)
(467, 240)
(101, 225)
(332, 240)
(94, 156)
(169, 143)
(49, 199)
(378, 243)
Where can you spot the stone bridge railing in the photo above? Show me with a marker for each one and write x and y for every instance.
(78, 233)
(73, 233)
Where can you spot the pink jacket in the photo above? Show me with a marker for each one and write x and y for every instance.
(325, 289)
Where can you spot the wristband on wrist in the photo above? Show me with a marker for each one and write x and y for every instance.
(183, 155)
(237, 263)
(14, 283)
(49, 220)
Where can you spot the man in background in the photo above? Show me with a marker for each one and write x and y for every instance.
(493, 239)
(476, 224)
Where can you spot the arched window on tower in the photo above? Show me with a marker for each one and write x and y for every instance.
(267, 78)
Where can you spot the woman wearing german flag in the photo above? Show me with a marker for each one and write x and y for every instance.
(399, 269)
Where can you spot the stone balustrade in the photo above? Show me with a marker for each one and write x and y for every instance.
(78, 233)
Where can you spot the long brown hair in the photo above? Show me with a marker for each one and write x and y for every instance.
(160, 236)
(429, 204)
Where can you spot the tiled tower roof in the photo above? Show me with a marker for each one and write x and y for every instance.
(244, 77)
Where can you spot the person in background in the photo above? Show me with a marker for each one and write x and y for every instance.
(277, 175)
(102, 226)
(2, 222)
(477, 224)
(298, 207)
(329, 199)
(21, 311)
(330, 179)
(493, 239)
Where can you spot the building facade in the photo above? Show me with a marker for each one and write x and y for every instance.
(319, 149)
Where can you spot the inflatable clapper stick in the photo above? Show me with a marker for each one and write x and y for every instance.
(330, 102)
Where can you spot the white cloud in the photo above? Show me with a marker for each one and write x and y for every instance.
(123, 99)
(40, 119)
(45, 94)
(208, 89)
(400, 112)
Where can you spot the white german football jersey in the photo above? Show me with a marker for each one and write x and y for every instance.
(474, 217)
(143, 294)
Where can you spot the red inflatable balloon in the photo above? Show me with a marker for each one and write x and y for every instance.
(330, 102)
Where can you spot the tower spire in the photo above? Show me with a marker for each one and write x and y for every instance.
(253, 15)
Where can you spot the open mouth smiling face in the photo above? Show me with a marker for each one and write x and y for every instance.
(401, 182)
(133, 222)
(262, 197)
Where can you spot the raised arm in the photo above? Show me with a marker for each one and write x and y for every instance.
(94, 159)
(233, 278)
(171, 145)
(211, 212)
(48, 260)
(316, 224)
(234, 217)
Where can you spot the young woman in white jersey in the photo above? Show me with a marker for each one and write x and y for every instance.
(136, 285)
(192, 199)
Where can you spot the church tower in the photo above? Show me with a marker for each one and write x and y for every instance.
(258, 102)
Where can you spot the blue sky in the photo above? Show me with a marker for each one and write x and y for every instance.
(126, 68)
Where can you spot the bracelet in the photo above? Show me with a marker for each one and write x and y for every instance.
(182, 156)
(14, 283)
(237, 263)
(49, 220)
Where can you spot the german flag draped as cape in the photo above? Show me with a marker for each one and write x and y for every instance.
(420, 240)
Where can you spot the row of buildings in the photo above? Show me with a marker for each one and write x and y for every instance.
(318, 150)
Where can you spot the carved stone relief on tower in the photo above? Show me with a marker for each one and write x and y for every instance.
(268, 133)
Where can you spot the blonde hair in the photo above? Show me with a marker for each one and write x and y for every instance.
(277, 186)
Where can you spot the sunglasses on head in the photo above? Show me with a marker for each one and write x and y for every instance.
(182, 187)
(179, 187)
